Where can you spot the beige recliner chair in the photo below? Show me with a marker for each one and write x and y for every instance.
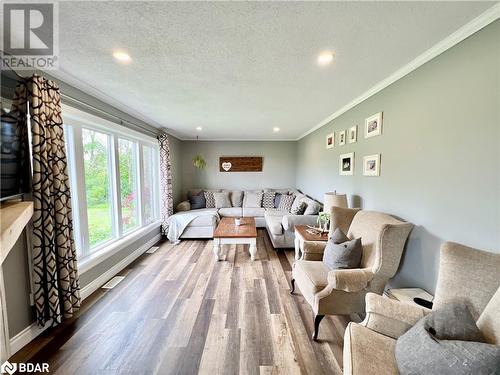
(465, 274)
(342, 291)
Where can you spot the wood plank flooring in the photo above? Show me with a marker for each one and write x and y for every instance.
(180, 312)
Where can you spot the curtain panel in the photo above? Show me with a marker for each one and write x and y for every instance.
(55, 274)
(166, 196)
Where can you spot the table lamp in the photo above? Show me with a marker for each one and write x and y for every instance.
(332, 199)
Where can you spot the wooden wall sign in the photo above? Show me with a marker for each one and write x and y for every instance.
(240, 163)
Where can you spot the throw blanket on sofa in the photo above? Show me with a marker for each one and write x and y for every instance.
(179, 222)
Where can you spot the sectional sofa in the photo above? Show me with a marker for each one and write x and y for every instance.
(278, 222)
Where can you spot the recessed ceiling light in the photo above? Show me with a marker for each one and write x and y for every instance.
(325, 58)
(121, 56)
(199, 128)
(276, 129)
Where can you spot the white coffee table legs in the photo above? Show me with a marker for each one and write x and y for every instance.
(220, 242)
(253, 249)
(218, 249)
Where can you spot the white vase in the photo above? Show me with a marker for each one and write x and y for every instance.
(237, 221)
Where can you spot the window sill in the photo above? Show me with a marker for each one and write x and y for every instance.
(107, 251)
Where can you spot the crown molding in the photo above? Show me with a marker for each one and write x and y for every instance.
(71, 80)
(453, 39)
(238, 140)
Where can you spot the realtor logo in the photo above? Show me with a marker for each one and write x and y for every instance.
(23, 368)
(30, 38)
(8, 368)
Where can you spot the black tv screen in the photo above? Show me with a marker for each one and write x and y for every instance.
(10, 157)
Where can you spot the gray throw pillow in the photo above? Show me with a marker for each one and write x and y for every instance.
(222, 200)
(277, 199)
(420, 351)
(453, 321)
(268, 199)
(299, 210)
(209, 199)
(343, 255)
(338, 236)
(286, 202)
(252, 199)
(197, 201)
(313, 207)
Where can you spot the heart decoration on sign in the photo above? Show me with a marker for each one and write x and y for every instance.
(226, 166)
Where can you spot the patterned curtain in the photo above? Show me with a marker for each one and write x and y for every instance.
(55, 275)
(166, 198)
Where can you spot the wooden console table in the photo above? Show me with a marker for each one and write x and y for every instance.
(14, 216)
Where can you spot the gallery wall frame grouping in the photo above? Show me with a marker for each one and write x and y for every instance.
(371, 163)
(372, 128)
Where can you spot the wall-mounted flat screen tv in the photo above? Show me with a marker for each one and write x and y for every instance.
(11, 174)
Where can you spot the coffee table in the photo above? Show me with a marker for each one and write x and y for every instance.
(227, 233)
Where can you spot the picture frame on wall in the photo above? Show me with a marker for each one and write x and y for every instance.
(330, 140)
(371, 165)
(373, 125)
(346, 164)
(353, 134)
(342, 135)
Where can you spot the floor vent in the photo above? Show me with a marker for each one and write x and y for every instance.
(113, 282)
(152, 249)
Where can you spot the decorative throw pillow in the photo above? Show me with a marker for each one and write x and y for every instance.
(339, 237)
(268, 199)
(277, 199)
(197, 201)
(296, 201)
(252, 199)
(298, 210)
(440, 344)
(222, 199)
(313, 207)
(209, 199)
(236, 198)
(286, 202)
(344, 255)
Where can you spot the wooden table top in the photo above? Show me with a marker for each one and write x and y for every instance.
(302, 230)
(227, 228)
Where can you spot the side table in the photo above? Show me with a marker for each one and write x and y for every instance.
(301, 235)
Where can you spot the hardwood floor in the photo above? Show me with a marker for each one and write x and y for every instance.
(180, 312)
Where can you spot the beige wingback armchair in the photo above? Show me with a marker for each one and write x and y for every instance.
(465, 274)
(342, 292)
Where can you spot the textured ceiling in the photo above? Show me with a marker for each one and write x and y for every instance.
(238, 69)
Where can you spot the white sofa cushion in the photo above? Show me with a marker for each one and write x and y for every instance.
(231, 211)
(253, 212)
(274, 225)
(252, 199)
(222, 199)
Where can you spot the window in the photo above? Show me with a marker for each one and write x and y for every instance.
(129, 194)
(114, 177)
(149, 193)
(96, 160)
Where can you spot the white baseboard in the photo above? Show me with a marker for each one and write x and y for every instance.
(90, 288)
(28, 334)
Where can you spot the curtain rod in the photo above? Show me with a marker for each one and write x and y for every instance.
(120, 120)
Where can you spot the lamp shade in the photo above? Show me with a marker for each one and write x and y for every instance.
(332, 199)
